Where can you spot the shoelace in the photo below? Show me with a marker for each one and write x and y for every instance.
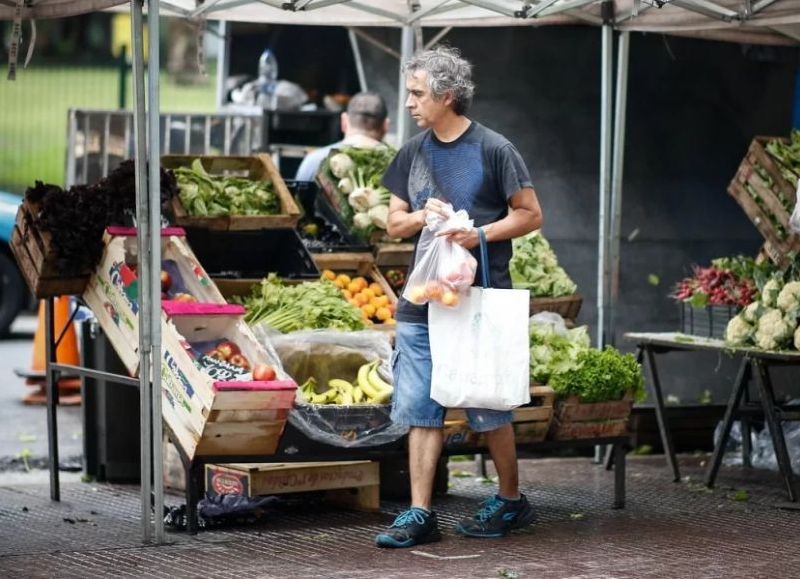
(489, 508)
(408, 517)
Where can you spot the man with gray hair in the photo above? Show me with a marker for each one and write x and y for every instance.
(454, 160)
(364, 125)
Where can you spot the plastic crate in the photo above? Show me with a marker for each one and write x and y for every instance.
(318, 208)
(252, 254)
(708, 321)
(311, 128)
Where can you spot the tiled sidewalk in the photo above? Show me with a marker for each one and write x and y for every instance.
(667, 530)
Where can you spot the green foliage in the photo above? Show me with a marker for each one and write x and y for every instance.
(554, 351)
(601, 375)
(309, 305)
(207, 195)
(534, 267)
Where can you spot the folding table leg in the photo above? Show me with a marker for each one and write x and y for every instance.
(727, 422)
(663, 426)
(194, 483)
(619, 475)
(775, 427)
(747, 447)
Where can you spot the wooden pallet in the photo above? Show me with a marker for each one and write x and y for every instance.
(353, 483)
(761, 214)
(257, 167)
(574, 419)
(34, 252)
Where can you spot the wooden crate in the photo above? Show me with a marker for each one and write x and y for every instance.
(760, 214)
(394, 254)
(243, 287)
(574, 419)
(531, 422)
(256, 167)
(33, 250)
(359, 262)
(567, 307)
(352, 483)
(204, 416)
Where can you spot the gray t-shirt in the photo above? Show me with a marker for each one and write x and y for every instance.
(478, 172)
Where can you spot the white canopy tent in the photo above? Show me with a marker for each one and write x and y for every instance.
(746, 21)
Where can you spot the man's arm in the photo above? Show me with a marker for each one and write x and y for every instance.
(403, 223)
(524, 216)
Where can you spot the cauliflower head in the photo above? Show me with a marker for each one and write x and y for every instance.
(797, 339)
(769, 293)
(774, 330)
(738, 331)
(752, 312)
(788, 300)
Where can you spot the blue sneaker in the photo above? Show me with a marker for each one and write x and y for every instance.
(497, 517)
(412, 527)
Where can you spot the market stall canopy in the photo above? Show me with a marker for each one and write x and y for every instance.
(746, 21)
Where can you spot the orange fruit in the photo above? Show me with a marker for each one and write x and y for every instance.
(368, 293)
(347, 294)
(376, 288)
(383, 314)
(360, 299)
(361, 282)
(354, 287)
(390, 322)
(342, 279)
(369, 310)
(328, 274)
(450, 298)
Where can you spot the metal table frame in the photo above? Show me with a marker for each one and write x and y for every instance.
(753, 362)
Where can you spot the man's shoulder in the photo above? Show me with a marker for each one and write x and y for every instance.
(492, 140)
(413, 143)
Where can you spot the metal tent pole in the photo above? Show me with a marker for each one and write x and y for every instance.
(605, 178)
(362, 78)
(154, 187)
(406, 50)
(618, 165)
(222, 62)
(143, 242)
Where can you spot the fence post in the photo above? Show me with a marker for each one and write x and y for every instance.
(122, 76)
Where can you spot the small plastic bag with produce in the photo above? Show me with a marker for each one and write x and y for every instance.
(345, 393)
(442, 269)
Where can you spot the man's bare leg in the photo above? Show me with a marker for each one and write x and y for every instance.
(503, 449)
(424, 450)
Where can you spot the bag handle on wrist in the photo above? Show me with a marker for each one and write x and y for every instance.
(484, 251)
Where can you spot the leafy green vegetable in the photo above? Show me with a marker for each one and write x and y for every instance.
(208, 195)
(534, 266)
(555, 351)
(364, 172)
(309, 305)
(601, 375)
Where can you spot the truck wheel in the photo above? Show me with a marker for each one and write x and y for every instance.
(12, 293)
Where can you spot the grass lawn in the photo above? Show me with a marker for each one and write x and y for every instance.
(33, 115)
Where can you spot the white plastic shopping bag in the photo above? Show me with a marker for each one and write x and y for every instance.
(480, 351)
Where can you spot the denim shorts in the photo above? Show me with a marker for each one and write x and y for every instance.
(412, 404)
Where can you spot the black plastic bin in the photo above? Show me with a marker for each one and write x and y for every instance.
(309, 128)
(252, 254)
(318, 210)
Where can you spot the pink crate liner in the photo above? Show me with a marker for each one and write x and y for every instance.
(118, 231)
(173, 308)
(255, 385)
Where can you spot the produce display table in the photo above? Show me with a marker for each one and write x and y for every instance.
(739, 405)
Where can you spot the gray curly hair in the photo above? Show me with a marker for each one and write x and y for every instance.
(447, 72)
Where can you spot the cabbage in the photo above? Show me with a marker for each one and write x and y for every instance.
(554, 349)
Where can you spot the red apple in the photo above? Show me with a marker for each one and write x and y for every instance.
(216, 354)
(263, 373)
(228, 349)
(166, 281)
(239, 360)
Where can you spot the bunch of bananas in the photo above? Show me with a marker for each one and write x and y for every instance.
(369, 388)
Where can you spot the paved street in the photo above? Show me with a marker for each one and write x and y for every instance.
(23, 429)
(668, 530)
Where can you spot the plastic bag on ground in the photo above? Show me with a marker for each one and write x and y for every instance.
(328, 354)
(442, 269)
